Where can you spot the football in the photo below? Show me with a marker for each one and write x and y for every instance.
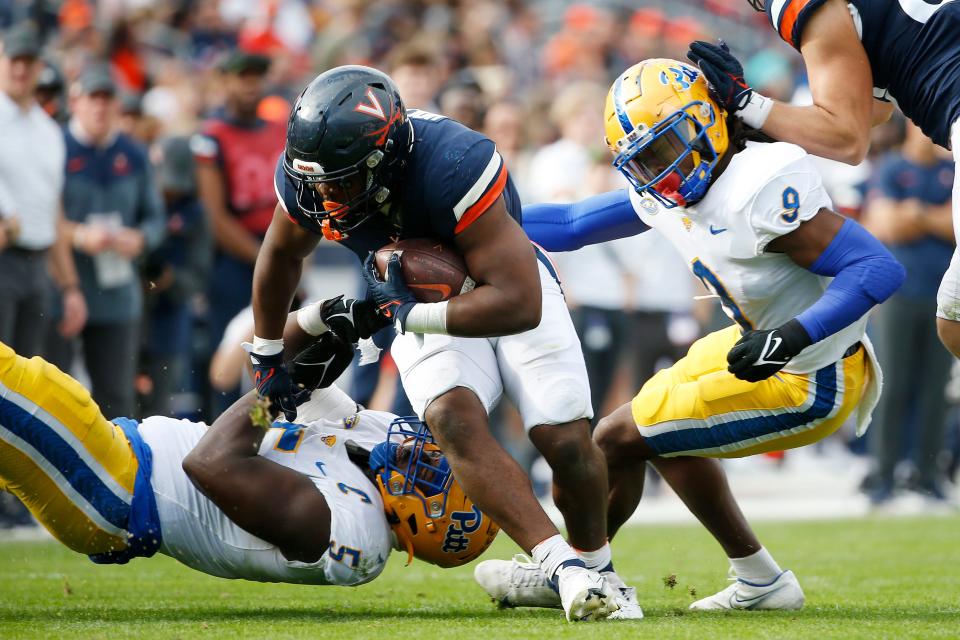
(434, 271)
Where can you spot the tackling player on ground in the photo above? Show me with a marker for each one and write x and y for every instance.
(208, 497)
(362, 171)
(754, 222)
(860, 55)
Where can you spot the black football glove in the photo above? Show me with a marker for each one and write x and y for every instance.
(320, 364)
(760, 354)
(393, 297)
(273, 381)
(352, 319)
(723, 72)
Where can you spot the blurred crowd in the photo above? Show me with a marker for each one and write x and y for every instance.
(140, 140)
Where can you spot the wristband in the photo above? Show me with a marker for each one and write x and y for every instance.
(267, 347)
(756, 111)
(310, 320)
(427, 317)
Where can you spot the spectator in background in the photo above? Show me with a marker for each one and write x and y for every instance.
(462, 99)
(31, 182)
(503, 122)
(236, 153)
(418, 74)
(909, 210)
(114, 214)
(173, 273)
(50, 92)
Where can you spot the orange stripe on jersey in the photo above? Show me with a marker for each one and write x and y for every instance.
(480, 206)
(789, 19)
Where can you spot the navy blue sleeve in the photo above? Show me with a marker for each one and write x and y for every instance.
(885, 183)
(864, 275)
(566, 227)
(287, 197)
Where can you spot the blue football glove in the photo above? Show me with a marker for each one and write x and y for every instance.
(393, 297)
(760, 354)
(723, 72)
(274, 382)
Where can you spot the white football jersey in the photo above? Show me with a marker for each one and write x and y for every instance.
(198, 534)
(766, 191)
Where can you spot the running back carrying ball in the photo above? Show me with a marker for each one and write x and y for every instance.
(434, 271)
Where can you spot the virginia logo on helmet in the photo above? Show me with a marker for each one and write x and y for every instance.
(665, 131)
(373, 108)
(426, 507)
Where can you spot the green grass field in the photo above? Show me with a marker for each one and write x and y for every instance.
(872, 578)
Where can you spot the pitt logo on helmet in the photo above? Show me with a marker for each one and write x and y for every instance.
(664, 130)
(427, 509)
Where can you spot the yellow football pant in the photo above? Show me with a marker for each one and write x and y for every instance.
(696, 407)
(68, 464)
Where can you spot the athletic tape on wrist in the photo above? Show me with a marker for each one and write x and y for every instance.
(309, 319)
(756, 111)
(427, 317)
(266, 346)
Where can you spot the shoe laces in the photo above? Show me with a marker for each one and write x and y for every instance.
(527, 573)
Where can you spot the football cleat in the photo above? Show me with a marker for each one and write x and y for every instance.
(516, 583)
(585, 594)
(626, 598)
(783, 593)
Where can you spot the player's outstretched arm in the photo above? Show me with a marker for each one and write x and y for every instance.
(270, 501)
(275, 278)
(571, 226)
(501, 259)
(837, 124)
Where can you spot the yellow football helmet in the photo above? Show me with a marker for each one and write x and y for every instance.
(665, 131)
(427, 509)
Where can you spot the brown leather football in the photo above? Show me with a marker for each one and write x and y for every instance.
(433, 271)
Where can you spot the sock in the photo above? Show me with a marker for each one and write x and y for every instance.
(554, 554)
(758, 568)
(600, 560)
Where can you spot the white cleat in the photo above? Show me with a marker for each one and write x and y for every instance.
(626, 598)
(585, 594)
(516, 583)
(784, 594)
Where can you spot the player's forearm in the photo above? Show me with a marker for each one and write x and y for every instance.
(864, 275)
(488, 311)
(275, 279)
(567, 227)
(232, 433)
(819, 131)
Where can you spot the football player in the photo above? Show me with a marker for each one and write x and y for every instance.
(862, 56)
(362, 171)
(354, 483)
(754, 223)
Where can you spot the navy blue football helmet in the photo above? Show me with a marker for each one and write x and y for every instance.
(347, 141)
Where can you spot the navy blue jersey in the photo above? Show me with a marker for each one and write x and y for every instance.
(453, 175)
(914, 52)
(927, 257)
